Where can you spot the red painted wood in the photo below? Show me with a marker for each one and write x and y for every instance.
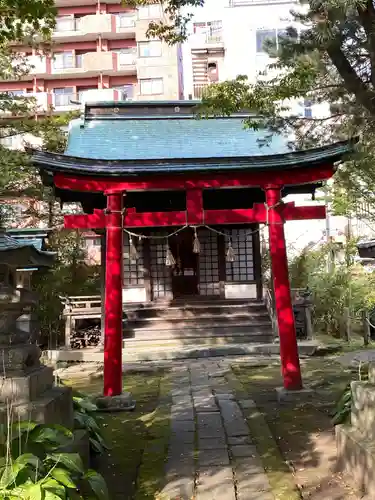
(195, 216)
(113, 298)
(194, 206)
(85, 221)
(261, 179)
(155, 219)
(283, 303)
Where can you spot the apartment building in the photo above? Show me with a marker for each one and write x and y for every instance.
(100, 52)
(227, 39)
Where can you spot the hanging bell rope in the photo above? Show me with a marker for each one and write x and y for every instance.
(196, 243)
(133, 253)
(231, 257)
(169, 259)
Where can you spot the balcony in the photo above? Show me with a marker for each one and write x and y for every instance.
(88, 27)
(38, 65)
(199, 90)
(214, 40)
(65, 102)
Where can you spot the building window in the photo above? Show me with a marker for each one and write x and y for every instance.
(212, 30)
(64, 60)
(263, 36)
(124, 20)
(63, 96)
(125, 92)
(65, 23)
(150, 11)
(151, 48)
(307, 112)
(126, 57)
(152, 86)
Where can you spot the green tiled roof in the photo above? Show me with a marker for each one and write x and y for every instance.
(166, 138)
(143, 138)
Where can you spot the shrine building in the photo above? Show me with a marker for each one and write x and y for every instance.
(181, 201)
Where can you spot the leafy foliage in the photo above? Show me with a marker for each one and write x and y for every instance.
(343, 408)
(327, 55)
(335, 287)
(85, 417)
(32, 467)
(69, 276)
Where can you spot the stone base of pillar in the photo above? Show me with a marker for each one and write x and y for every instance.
(287, 396)
(124, 402)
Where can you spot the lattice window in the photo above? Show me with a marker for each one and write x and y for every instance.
(160, 273)
(242, 269)
(134, 271)
(208, 263)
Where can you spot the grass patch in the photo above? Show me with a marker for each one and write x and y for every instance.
(300, 434)
(134, 467)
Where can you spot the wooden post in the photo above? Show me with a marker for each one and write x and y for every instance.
(257, 261)
(366, 327)
(68, 331)
(291, 370)
(113, 297)
(346, 325)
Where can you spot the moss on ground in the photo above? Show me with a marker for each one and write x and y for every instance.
(134, 466)
(278, 473)
(297, 432)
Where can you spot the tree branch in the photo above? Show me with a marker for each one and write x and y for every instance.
(352, 81)
(367, 18)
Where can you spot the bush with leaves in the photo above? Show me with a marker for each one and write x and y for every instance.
(343, 407)
(33, 467)
(334, 288)
(85, 417)
(69, 276)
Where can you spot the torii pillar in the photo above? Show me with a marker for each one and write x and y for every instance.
(290, 365)
(113, 295)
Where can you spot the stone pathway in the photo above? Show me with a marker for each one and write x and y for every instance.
(211, 454)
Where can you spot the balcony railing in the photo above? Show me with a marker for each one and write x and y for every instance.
(65, 25)
(125, 22)
(65, 100)
(199, 90)
(127, 58)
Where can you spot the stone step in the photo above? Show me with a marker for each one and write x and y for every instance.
(363, 407)
(356, 457)
(183, 341)
(162, 353)
(202, 314)
(190, 309)
(183, 328)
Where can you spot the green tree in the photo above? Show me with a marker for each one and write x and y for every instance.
(327, 55)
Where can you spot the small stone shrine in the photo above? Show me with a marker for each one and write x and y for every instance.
(27, 391)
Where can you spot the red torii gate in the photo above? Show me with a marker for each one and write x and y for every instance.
(273, 213)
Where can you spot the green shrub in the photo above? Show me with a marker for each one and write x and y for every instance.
(85, 418)
(334, 288)
(32, 467)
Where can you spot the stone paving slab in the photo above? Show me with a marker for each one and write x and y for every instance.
(178, 426)
(215, 483)
(213, 457)
(179, 413)
(212, 443)
(237, 427)
(211, 454)
(243, 450)
(181, 488)
(238, 440)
